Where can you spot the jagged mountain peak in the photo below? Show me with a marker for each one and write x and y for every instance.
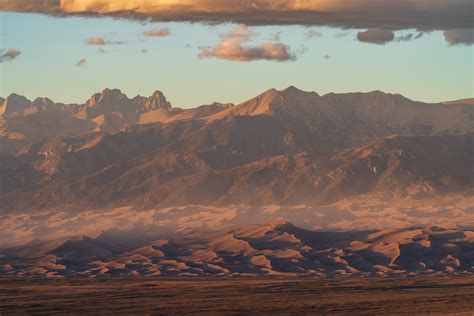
(105, 97)
(269, 96)
(259, 105)
(112, 92)
(292, 88)
(41, 101)
(119, 101)
(157, 100)
(14, 103)
(293, 91)
(17, 98)
(273, 99)
(157, 94)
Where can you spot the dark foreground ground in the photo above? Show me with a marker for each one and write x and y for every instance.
(234, 297)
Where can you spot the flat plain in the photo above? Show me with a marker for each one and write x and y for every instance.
(310, 296)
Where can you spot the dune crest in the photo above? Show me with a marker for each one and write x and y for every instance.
(265, 250)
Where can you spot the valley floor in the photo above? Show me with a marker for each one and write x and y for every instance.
(238, 296)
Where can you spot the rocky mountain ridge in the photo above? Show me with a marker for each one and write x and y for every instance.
(373, 114)
(286, 146)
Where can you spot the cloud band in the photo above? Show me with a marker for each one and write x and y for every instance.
(388, 14)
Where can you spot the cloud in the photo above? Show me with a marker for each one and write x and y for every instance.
(96, 41)
(409, 37)
(385, 14)
(100, 41)
(383, 36)
(9, 55)
(231, 48)
(376, 36)
(313, 34)
(241, 33)
(275, 37)
(81, 62)
(158, 32)
(42, 6)
(342, 34)
(236, 52)
(459, 37)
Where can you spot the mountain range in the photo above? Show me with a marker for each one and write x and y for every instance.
(282, 147)
(370, 115)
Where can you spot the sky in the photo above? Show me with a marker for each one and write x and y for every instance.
(69, 58)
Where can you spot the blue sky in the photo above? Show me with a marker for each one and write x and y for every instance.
(426, 69)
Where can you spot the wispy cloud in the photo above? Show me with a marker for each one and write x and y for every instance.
(8, 55)
(158, 32)
(275, 37)
(81, 62)
(231, 47)
(409, 37)
(313, 34)
(100, 41)
(342, 34)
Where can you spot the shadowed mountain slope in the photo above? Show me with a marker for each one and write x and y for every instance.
(286, 146)
(105, 174)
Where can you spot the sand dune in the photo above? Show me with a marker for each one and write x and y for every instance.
(278, 248)
(359, 213)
